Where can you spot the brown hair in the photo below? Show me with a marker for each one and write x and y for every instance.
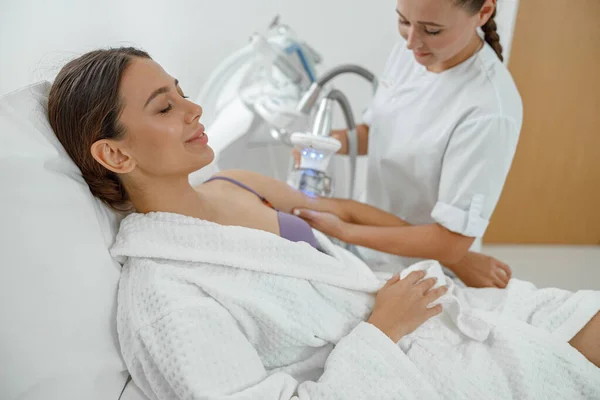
(489, 29)
(84, 106)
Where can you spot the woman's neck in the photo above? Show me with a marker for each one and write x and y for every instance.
(473, 47)
(171, 195)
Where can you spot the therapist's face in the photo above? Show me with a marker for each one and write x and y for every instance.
(163, 134)
(437, 31)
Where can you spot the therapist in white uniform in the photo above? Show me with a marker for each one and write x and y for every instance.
(440, 135)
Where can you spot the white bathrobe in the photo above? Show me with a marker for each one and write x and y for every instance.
(220, 312)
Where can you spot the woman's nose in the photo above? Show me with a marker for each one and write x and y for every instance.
(194, 111)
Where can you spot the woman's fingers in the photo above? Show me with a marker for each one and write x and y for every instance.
(433, 311)
(392, 280)
(414, 277)
(425, 285)
(435, 294)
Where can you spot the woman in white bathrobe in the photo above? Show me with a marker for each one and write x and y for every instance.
(215, 304)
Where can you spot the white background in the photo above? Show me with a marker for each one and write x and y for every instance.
(190, 37)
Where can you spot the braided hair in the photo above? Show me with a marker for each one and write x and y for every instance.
(490, 28)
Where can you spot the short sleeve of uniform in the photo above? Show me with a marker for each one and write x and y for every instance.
(474, 168)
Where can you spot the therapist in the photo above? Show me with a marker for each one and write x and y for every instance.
(440, 135)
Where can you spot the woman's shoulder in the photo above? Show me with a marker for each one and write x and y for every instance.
(251, 181)
(241, 175)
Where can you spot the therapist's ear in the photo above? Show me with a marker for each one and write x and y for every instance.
(486, 12)
(112, 157)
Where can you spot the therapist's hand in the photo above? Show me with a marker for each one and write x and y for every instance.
(479, 271)
(328, 223)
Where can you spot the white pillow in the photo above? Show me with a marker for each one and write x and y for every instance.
(57, 280)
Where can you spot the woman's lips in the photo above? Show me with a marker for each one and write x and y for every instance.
(199, 137)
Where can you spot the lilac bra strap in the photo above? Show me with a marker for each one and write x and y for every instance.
(240, 184)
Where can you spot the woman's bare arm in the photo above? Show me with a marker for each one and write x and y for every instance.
(285, 198)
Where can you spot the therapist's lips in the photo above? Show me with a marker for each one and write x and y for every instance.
(199, 137)
(421, 54)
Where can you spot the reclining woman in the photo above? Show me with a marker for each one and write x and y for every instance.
(223, 296)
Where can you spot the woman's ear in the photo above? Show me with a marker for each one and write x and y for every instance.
(112, 156)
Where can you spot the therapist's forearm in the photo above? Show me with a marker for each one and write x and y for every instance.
(359, 213)
(431, 241)
(362, 133)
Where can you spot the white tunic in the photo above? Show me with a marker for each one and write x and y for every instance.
(441, 144)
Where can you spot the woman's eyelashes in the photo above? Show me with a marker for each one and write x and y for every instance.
(168, 108)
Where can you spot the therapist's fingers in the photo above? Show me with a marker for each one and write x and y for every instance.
(501, 273)
(504, 269)
(499, 278)
(302, 213)
(296, 157)
(499, 282)
(309, 216)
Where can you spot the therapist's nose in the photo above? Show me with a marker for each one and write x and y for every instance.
(413, 41)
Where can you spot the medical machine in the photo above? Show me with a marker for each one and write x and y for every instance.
(266, 98)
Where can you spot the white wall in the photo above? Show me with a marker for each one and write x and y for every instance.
(190, 37)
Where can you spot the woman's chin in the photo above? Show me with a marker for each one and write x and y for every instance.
(204, 159)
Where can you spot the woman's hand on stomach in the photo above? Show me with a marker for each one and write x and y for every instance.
(402, 305)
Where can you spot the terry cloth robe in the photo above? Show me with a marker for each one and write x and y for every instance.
(207, 311)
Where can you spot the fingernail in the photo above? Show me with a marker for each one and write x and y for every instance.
(296, 212)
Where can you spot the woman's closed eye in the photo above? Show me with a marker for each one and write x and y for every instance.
(170, 106)
(166, 109)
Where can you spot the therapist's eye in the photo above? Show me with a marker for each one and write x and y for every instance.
(403, 22)
(433, 32)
